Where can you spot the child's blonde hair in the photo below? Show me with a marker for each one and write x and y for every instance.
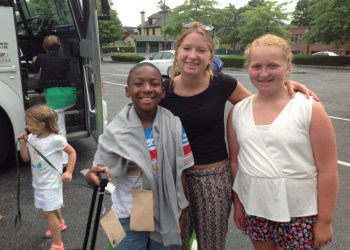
(42, 113)
(52, 43)
(273, 41)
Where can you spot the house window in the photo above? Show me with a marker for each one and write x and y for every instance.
(296, 38)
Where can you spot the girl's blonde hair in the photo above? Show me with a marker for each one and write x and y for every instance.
(273, 41)
(194, 27)
(42, 113)
(52, 43)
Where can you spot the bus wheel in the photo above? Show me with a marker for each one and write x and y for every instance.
(7, 143)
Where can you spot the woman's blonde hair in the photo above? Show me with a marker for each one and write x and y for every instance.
(273, 41)
(52, 43)
(194, 27)
(42, 113)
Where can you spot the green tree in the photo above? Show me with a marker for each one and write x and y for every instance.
(331, 21)
(191, 10)
(110, 30)
(227, 25)
(302, 14)
(163, 7)
(256, 3)
(269, 17)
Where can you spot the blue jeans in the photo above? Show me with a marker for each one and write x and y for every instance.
(139, 240)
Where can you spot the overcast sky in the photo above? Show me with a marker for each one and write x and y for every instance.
(129, 10)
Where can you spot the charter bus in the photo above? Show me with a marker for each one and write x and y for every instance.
(24, 24)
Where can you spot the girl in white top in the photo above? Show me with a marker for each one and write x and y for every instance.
(47, 182)
(283, 157)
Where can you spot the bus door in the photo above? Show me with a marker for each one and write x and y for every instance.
(11, 96)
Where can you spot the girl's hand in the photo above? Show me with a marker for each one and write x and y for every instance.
(22, 137)
(238, 216)
(323, 232)
(67, 176)
(182, 221)
(296, 86)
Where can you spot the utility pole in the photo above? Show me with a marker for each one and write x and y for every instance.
(164, 25)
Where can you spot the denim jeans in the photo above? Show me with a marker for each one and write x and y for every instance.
(140, 240)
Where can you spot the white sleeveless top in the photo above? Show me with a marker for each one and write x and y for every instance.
(277, 175)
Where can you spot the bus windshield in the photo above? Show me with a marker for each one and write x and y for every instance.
(55, 13)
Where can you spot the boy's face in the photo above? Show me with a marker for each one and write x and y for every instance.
(145, 88)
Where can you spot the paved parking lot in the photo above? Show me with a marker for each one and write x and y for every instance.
(332, 86)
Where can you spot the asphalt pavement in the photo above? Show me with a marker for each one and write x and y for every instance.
(331, 85)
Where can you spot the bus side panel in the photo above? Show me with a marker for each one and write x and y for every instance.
(11, 95)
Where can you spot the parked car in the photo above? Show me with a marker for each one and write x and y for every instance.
(163, 60)
(324, 53)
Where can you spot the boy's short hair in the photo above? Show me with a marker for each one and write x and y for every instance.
(142, 64)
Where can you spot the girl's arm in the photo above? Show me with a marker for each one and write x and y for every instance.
(184, 211)
(233, 148)
(35, 67)
(72, 158)
(24, 151)
(239, 93)
(325, 154)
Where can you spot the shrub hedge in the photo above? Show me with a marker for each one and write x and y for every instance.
(119, 57)
(237, 61)
(109, 49)
(321, 60)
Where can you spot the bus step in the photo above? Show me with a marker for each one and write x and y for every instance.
(77, 135)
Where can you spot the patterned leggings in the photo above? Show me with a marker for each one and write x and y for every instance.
(209, 192)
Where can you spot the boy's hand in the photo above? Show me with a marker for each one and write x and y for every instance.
(92, 177)
(67, 176)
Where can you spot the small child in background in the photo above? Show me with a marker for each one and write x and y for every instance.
(283, 156)
(145, 148)
(60, 95)
(47, 182)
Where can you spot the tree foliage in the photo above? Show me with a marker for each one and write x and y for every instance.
(302, 14)
(191, 10)
(269, 17)
(227, 26)
(110, 30)
(331, 21)
(163, 7)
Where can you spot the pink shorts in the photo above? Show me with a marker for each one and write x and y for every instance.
(295, 234)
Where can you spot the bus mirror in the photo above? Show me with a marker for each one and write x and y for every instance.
(105, 7)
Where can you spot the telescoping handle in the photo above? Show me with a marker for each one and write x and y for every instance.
(103, 183)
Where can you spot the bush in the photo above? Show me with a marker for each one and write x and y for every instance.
(109, 49)
(127, 58)
(233, 61)
(321, 60)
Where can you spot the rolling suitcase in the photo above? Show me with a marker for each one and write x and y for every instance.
(101, 191)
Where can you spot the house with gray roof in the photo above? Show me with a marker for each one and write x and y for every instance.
(150, 38)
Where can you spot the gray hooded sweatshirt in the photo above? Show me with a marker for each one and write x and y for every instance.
(123, 145)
